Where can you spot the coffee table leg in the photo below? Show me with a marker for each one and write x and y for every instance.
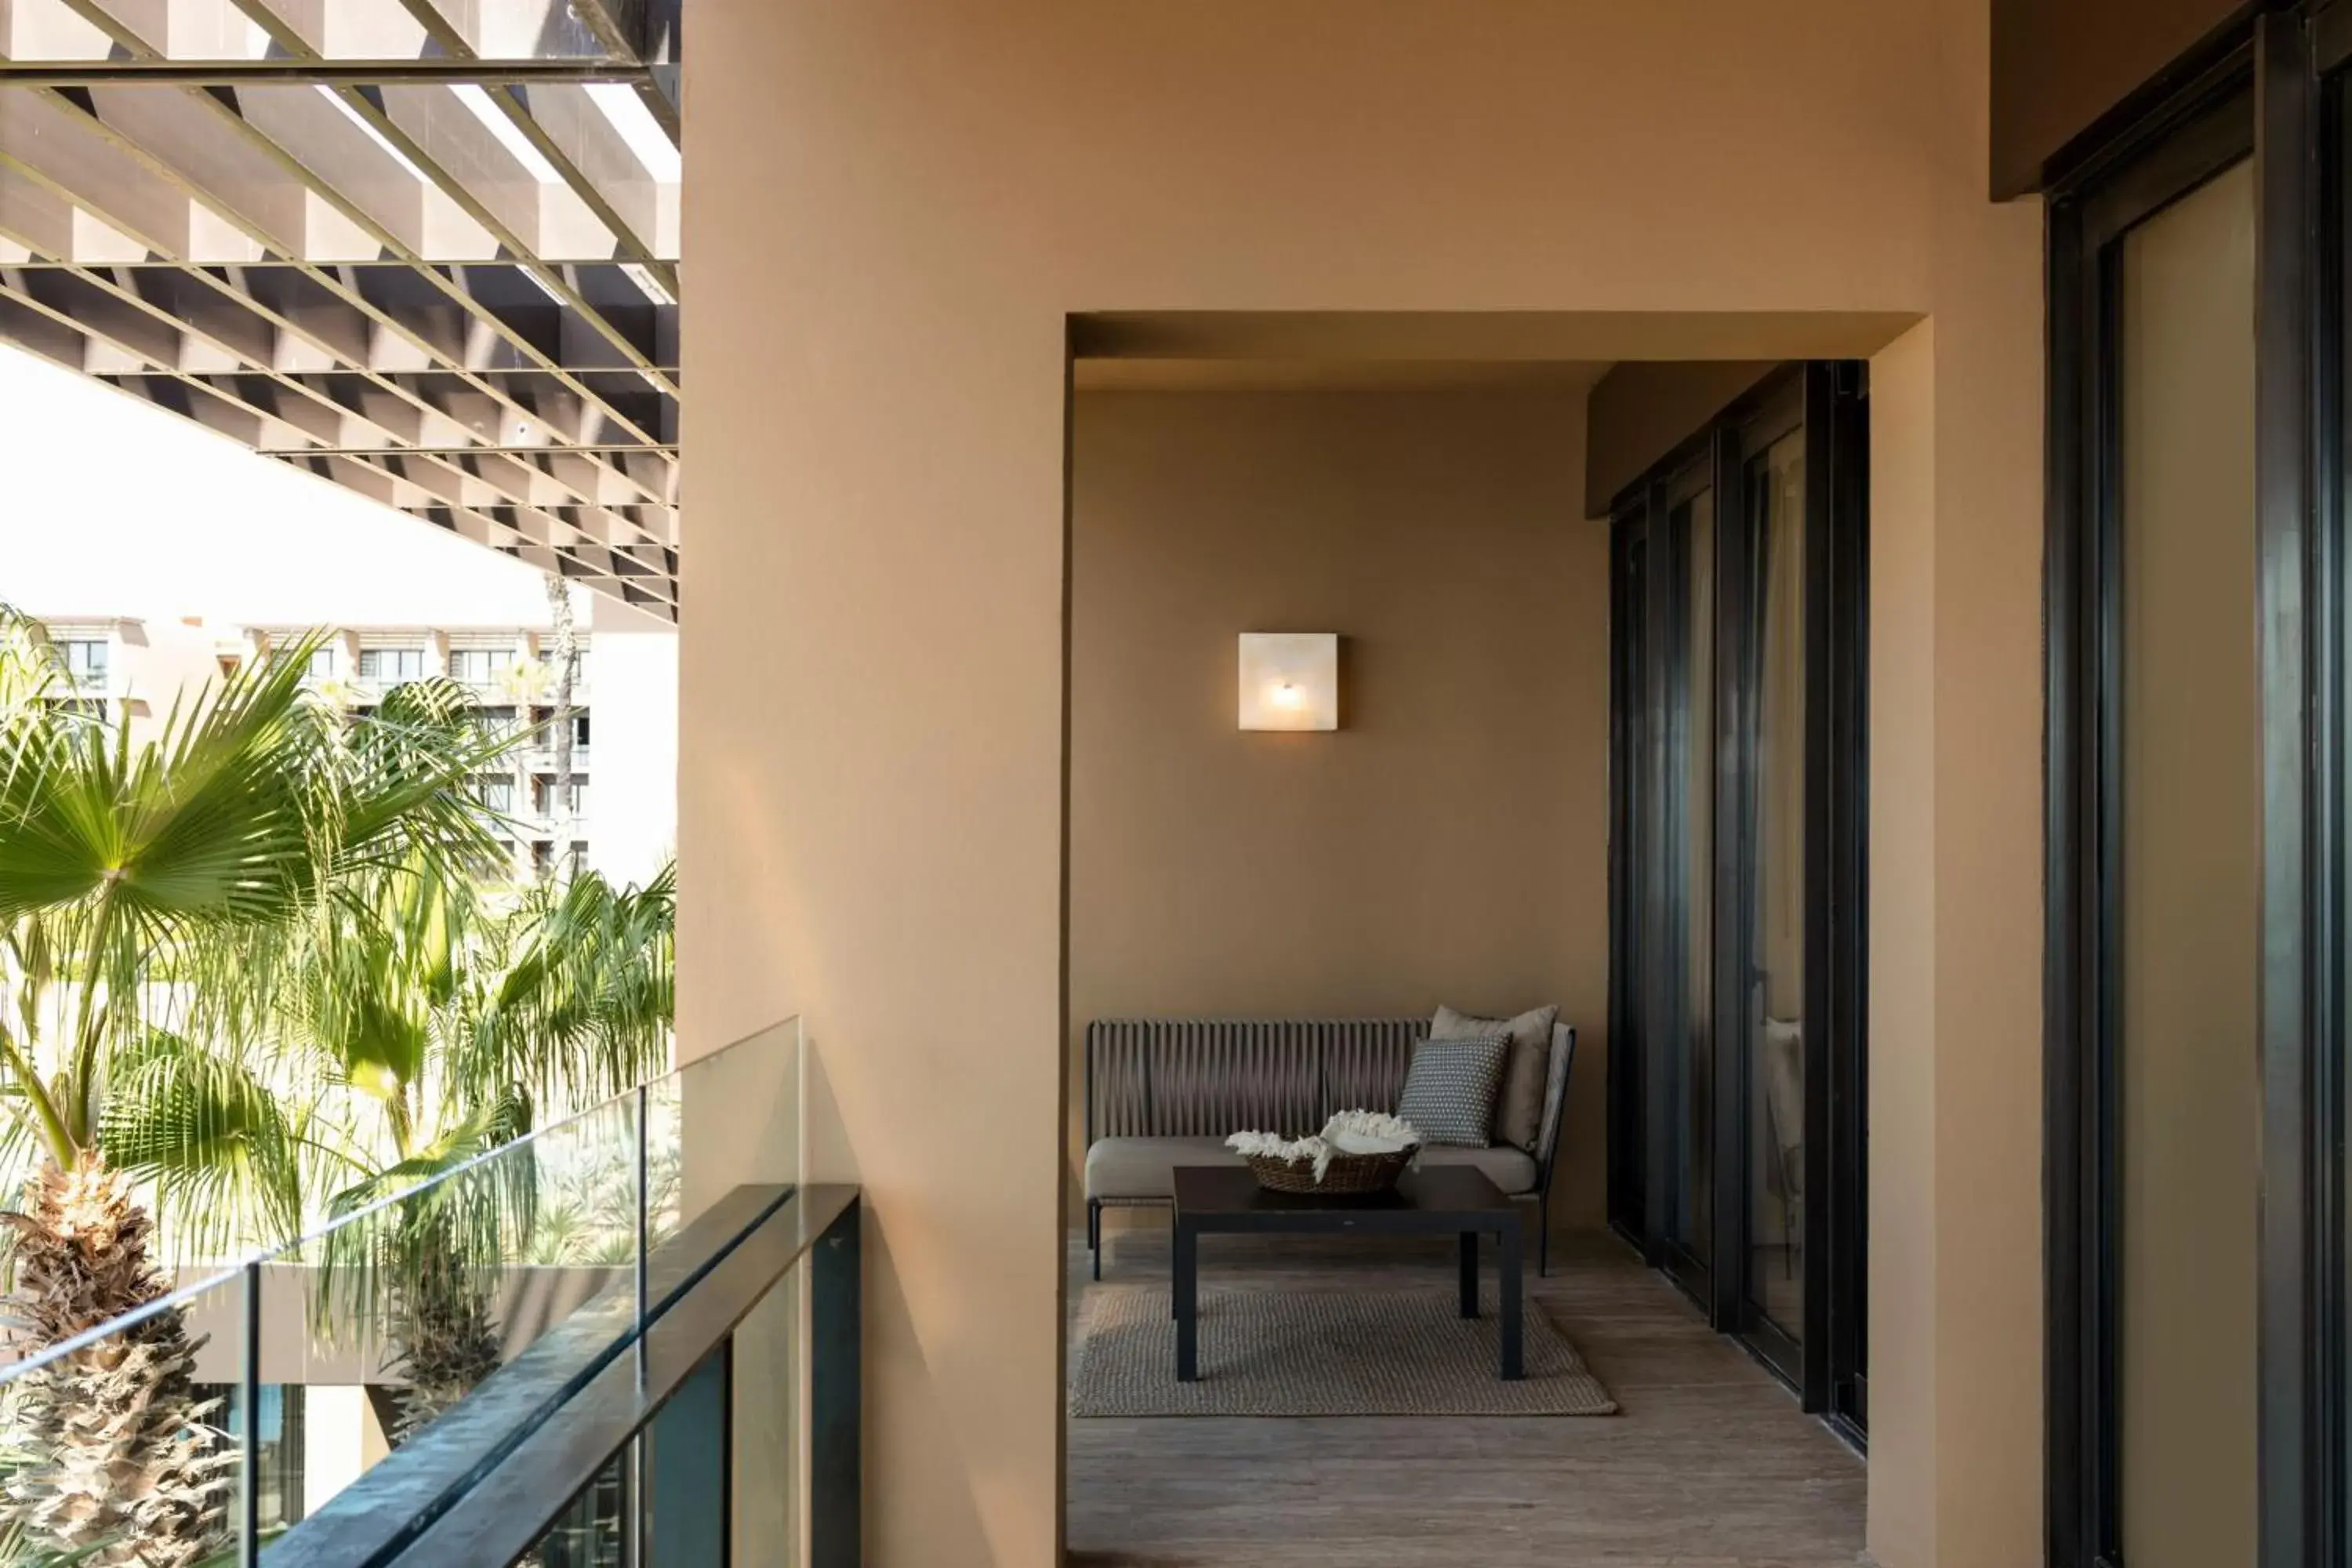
(1513, 1367)
(1184, 1285)
(1469, 1273)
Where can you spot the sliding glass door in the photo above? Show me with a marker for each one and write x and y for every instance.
(2187, 878)
(2196, 874)
(1633, 862)
(1736, 920)
(1686, 1065)
(1772, 910)
(1665, 1011)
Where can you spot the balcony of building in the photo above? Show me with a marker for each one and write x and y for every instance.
(1763, 586)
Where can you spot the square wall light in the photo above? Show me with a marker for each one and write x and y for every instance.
(1290, 680)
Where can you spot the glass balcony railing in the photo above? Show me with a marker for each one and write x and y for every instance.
(558, 1352)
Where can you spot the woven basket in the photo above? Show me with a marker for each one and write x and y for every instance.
(1348, 1176)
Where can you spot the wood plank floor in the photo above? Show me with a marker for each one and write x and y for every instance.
(1710, 1464)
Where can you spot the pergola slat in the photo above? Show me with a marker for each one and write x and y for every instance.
(407, 250)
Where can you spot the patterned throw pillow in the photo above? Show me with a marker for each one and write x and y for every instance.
(1527, 1069)
(1449, 1090)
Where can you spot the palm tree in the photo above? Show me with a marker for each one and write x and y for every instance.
(566, 658)
(142, 890)
(585, 988)
(444, 1023)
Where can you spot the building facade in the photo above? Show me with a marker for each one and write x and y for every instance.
(541, 794)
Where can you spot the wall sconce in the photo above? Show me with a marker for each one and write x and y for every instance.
(1290, 680)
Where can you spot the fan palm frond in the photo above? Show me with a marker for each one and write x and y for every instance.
(238, 961)
(32, 678)
(425, 1215)
(406, 795)
(222, 1147)
(210, 819)
(586, 990)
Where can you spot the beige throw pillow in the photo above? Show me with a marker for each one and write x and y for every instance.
(1518, 1110)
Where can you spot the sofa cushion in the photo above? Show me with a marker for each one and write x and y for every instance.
(1146, 1167)
(1450, 1089)
(1513, 1169)
(1518, 1108)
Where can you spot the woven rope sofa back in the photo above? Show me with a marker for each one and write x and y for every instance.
(1177, 1078)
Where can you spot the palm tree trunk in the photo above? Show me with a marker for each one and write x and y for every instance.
(443, 1336)
(567, 651)
(121, 1464)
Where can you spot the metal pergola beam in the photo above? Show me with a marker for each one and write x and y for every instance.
(509, 104)
(509, 101)
(370, 110)
(443, 349)
(437, 488)
(161, 232)
(76, 114)
(647, 32)
(54, 254)
(472, 451)
(316, 72)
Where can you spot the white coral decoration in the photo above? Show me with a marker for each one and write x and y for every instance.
(1349, 1132)
(1273, 1146)
(1370, 1132)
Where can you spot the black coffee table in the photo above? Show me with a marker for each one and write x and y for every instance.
(1451, 1199)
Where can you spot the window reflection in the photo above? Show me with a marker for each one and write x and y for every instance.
(1690, 1056)
(1776, 884)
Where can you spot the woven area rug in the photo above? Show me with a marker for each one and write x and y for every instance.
(1321, 1353)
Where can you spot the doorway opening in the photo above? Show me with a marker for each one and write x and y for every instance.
(1507, 816)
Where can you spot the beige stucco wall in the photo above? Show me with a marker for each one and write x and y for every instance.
(895, 209)
(1903, 1295)
(1449, 842)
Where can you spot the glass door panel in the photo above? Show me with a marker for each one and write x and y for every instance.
(1632, 808)
(1774, 911)
(1687, 1057)
(2188, 886)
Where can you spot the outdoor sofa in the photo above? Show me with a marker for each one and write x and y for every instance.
(1164, 1092)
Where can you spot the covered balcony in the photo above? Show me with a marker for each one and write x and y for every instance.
(1546, 782)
